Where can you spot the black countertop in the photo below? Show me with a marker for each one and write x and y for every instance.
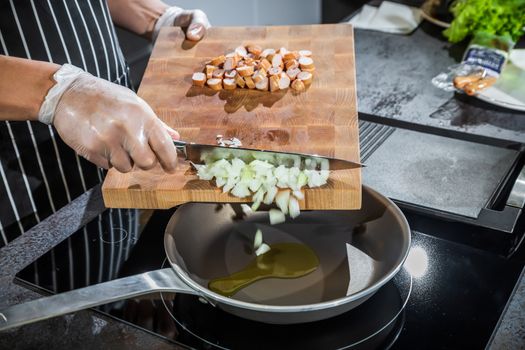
(393, 77)
(394, 74)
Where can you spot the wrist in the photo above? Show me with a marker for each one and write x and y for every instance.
(24, 84)
(65, 76)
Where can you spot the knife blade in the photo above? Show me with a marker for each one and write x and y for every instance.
(199, 153)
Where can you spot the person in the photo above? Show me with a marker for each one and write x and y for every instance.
(66, 107)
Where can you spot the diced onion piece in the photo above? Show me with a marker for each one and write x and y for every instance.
(281, 199)
(293, 207)
(302, 179)
(241, 190)
(264, 248)
(246, 209)
(230, 184)
(298, 194)
(259, 195)
(255, 205)
(220, 181)
(325, 164)
(258, 239)
(270, 195)
(255, 184)
(276, 216)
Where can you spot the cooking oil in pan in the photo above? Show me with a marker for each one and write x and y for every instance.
(284, 260)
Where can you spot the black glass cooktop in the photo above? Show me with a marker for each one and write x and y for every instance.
(447, 296)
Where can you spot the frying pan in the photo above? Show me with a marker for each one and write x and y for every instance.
(205, 241)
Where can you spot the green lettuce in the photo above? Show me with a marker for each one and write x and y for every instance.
(498, 17)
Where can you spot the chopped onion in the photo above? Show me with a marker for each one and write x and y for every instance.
(293, 208)
(241, 190)
(246, 209)
(302, 179)
(258, 240)
(256, 205)
(261, 176)
(282, 200)
(298, 194)
(264, 248)
(276, 216)
(270, 195)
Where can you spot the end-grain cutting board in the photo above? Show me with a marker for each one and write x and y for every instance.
(321, 120)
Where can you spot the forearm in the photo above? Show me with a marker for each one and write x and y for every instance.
(138, 16)
(23, 86)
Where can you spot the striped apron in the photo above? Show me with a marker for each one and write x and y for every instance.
(39, 173)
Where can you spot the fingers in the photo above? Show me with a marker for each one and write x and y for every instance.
(98, 160)
(119, 159)
(143, 156)
(162, 144)
(195, 32)
(195, 23)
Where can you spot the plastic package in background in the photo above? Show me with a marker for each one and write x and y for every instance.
(482, 64)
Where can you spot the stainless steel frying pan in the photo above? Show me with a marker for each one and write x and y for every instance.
(206, 241)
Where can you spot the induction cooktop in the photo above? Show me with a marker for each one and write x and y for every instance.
(447, 295)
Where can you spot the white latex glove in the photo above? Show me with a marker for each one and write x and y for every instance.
(193, 22)
(106, 123)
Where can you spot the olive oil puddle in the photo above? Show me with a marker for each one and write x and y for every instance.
(284, 260)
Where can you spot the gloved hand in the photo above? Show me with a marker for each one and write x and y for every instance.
(106, 123)
(193, 22)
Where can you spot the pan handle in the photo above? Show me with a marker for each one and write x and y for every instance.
(79, 299)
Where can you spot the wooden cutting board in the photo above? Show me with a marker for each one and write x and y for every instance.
(321, 120)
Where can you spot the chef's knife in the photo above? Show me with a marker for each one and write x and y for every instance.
(197, 153)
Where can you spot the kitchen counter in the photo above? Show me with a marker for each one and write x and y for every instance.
(393, 77)
(394, 74)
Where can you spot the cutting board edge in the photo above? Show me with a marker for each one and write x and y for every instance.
(117, 198)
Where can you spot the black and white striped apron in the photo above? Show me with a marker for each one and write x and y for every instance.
(38, 172)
